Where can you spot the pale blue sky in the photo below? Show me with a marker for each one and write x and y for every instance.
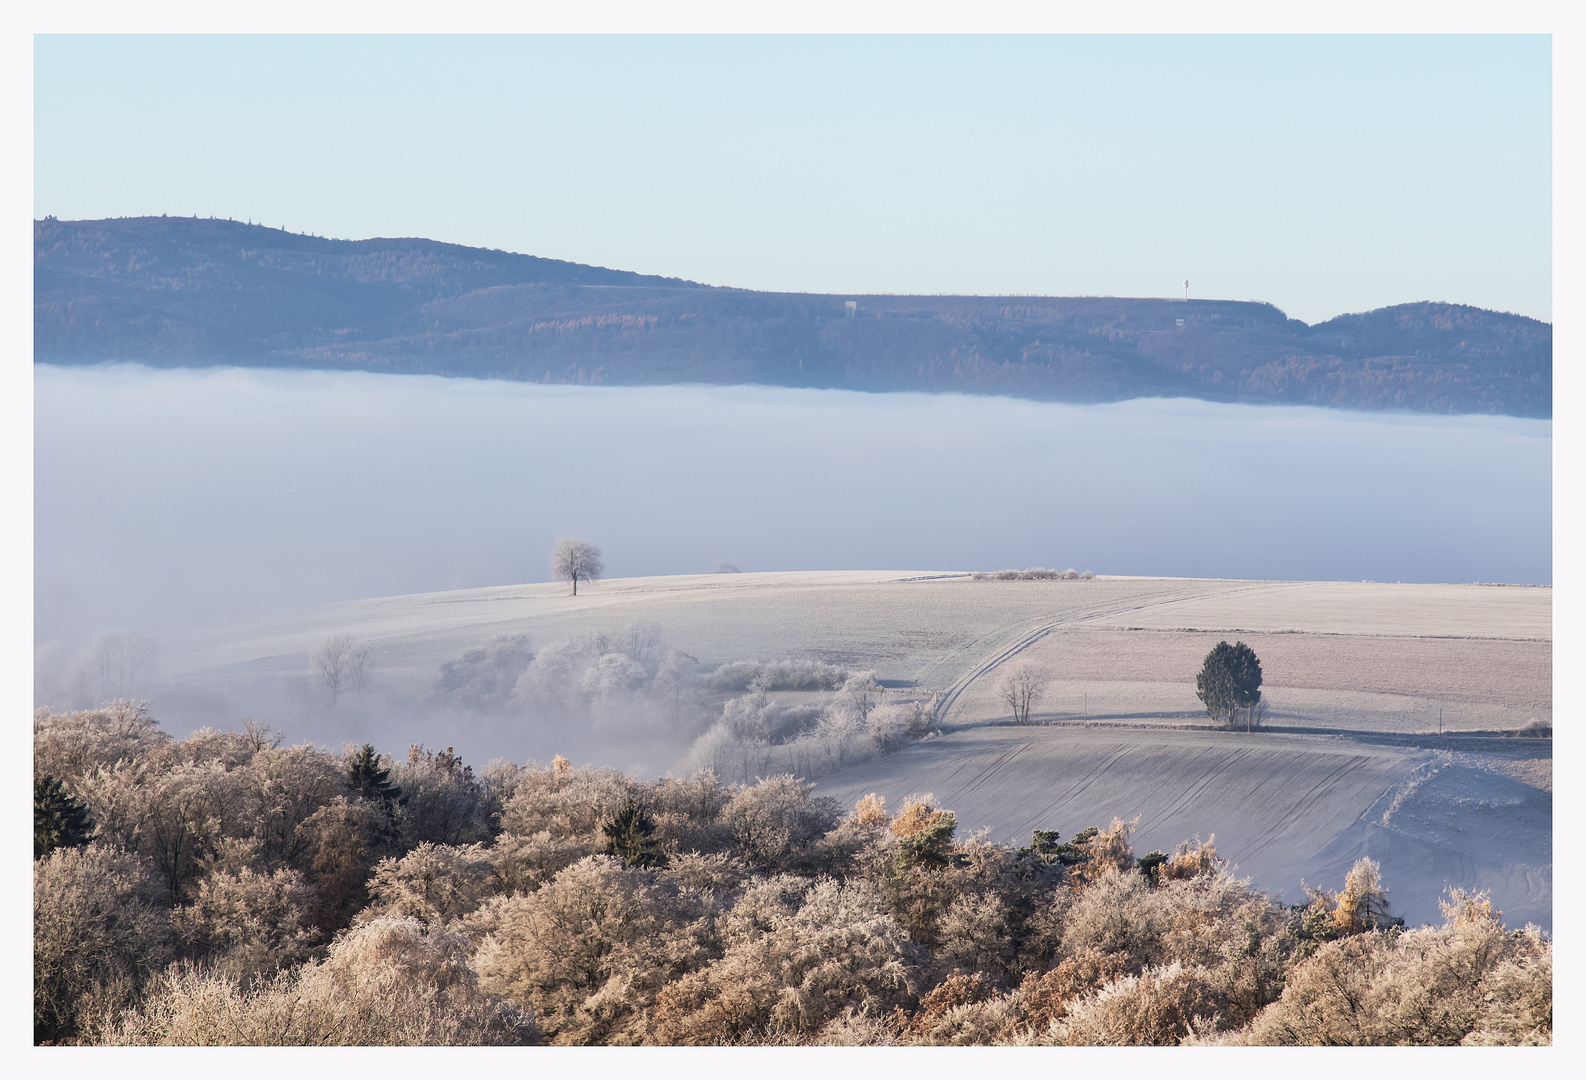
(1325, 174)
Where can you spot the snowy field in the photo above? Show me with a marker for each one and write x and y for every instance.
(1282, 807)
(1373, 656)
(1356, 673)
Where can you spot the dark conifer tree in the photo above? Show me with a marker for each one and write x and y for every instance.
(58, 819)
(369, 778)
(630, 835)
(1229, 680)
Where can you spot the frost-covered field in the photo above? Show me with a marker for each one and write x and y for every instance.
(1381, 661)
(1381, 656)
(1283, 807)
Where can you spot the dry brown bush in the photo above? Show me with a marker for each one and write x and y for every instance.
(1045, 997)
(1109, 852)
(1191, 860)
(955, 990)
(1362, 904)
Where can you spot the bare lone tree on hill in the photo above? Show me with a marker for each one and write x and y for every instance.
(1021, 688)
(574, 560)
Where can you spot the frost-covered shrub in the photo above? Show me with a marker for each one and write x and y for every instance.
(179, 804)
(442, 801)
(1467, 981)
(624, 682)
(716, 875)
(976, 935)
(892, 726)
(688, 812)
(795, 957)
(483, 677)
(387, 982)
(756, 737)
(738, 676)
(589, 950)
(1035, 573)
(174, 816)
(1158, 1007)
(99, 932)
(245, 924)
(1239, 938)
(521, 864)
(433, 883)
(564, 801)
(773, 823)
(282, 787)
(69, 746)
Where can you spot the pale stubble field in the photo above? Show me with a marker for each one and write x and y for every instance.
(1356, 675)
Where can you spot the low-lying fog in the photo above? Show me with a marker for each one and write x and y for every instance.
(173, 498)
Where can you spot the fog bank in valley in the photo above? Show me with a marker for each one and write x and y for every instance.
(173, 498)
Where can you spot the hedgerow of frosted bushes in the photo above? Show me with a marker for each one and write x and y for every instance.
(235, 891)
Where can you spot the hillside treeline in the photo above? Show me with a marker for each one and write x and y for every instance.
(228, 889)
(190, 291)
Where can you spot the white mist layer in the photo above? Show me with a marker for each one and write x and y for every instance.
(172, 498)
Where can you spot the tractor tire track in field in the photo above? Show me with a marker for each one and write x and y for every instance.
(1304, 805)
(1283, 808)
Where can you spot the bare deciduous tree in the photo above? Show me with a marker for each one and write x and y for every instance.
(341, 664)
(1021, 688)
(332, 662)
(575, 560)
(358, 668)
(119, 659)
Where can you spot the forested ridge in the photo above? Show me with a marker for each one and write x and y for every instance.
(183, 291)
(227, 888)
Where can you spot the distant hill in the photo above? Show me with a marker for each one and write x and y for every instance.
(185, 291)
